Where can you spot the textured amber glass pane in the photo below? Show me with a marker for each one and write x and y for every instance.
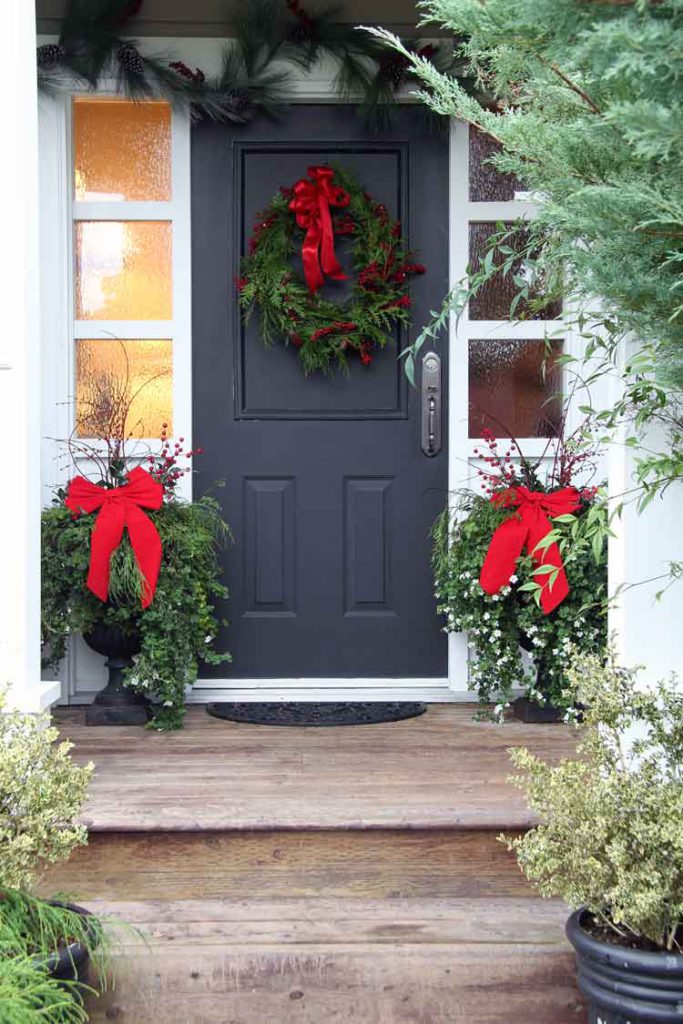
(492, 302)
(509, 393)
(486, 183)
(123, 270)
(123, 387)
(122, 150)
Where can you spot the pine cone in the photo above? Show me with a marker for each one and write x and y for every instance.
(130, 60)
(49, 55)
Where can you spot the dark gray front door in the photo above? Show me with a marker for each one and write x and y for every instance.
(328, 493)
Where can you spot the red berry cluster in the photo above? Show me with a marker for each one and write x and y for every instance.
(164, 466)
(502, 471)
(338, 327)
(197, 76)
(258, 231)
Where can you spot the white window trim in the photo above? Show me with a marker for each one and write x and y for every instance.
(58, 372)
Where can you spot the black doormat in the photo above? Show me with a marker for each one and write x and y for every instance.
(339, 713)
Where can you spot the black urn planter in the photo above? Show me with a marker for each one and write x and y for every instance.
(72, 963)
(626, 986)
(115, 704)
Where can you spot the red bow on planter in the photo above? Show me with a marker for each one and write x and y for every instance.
(311, 203)
(120, 507)
(524, 529)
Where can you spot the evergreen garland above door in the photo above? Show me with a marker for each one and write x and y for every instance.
(271, 38)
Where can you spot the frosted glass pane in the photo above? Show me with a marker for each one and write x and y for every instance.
(123, 270)
(123, 387)
(486, 183)
(122, 150)
(492, 302)
(507, 390)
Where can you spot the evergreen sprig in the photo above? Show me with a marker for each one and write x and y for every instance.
(326, 333)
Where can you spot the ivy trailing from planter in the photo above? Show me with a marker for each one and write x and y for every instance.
(271, 37)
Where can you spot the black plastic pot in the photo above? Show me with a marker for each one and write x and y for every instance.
(115, 704)
(626, 986)
(73, 962)
(531, 712)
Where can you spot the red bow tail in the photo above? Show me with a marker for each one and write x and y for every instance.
(120, 507)
(311, 203)
(528, 525)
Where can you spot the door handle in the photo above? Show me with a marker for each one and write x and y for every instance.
(431, 404)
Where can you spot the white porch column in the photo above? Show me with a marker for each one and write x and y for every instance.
(648, 632)
(19, 372)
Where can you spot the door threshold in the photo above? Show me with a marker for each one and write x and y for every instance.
(433, 691)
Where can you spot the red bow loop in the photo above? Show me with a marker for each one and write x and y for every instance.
(528, 525)
(312, 200)
(120, 507)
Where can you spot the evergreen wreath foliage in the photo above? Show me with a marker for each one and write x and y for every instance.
(326, 333)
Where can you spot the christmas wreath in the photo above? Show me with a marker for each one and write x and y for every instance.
(307, 218)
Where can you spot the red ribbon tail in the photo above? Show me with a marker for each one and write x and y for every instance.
(330, 263)
(503, 551)
(106, 537)
(309, 255)
(146, 544)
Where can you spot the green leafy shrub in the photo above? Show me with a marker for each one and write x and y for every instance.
(611, 832)
(42, 792)
(177, 631)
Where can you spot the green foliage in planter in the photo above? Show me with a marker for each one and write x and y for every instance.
(611, 832)
(42, 792)
(178, 629)
(28, 995)
(499, 625)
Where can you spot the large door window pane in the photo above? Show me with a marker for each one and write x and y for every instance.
(514, 388)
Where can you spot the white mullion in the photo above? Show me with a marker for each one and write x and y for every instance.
(96, 209)
(458, 389)
(499, 211)
(124, 330)
(524, 330)
(182, 288)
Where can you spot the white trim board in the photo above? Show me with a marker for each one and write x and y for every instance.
(83, 670)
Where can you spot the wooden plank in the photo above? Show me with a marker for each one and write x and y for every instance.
(347, 921)
(438, 771)
(369, 984)
(218, 865)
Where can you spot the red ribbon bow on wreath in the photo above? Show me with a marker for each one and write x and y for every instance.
(120, 507)
(524, 529)
(311, 203)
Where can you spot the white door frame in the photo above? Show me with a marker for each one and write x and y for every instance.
(56, 216)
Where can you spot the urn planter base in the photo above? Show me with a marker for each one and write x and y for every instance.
(116, 704)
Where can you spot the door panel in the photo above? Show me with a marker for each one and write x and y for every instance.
(329, 495)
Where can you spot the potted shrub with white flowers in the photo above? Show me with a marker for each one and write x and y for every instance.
(521, 567)
(610, 842)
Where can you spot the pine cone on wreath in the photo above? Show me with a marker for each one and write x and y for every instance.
(130, 60)
(49, 55)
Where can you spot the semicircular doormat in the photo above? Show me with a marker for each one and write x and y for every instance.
(325, 713)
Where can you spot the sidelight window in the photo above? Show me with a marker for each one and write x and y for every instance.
(130, 280)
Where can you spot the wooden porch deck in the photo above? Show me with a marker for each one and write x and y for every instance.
(441, 770)
(319, 875)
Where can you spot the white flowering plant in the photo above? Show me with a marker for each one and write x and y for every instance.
(511, 642)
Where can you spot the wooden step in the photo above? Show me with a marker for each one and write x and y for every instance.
(377, 863)
(395, 961)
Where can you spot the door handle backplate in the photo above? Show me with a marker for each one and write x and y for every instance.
(431, 404)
